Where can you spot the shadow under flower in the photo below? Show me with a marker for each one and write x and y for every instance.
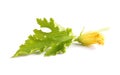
(91, 47)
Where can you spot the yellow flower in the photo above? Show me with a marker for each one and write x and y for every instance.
(89, 38)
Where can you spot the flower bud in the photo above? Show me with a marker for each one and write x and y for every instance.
(90, 38)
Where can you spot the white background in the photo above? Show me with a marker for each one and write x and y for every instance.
(18, 19)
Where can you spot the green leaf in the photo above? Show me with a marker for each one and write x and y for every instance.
(51, 43)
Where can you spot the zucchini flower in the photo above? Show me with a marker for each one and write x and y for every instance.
(92, 37)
